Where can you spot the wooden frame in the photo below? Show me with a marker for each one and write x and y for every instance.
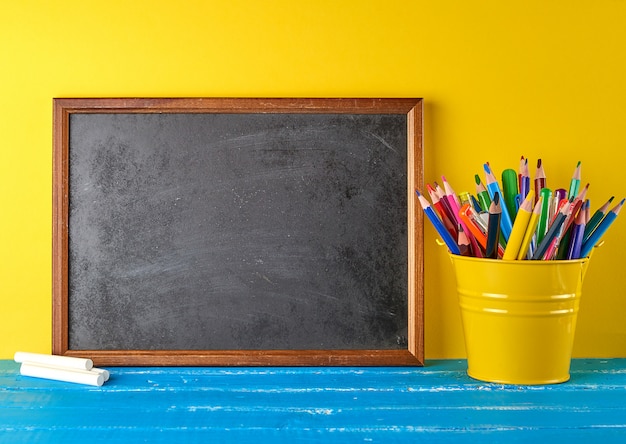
(412, 108)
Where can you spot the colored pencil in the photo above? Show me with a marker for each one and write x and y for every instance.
(493, 230)
(530, 230)
(482, 193)
(506, 224)
(524, 186)
(544, 218)
(596, 218)
(540, 180)
(550, 253)
(475, 204)
(600, 230)
(519, 228)
(467, 215)
(450, 242)
(534, 222)
(464, 243)
(566, 232)
(574, 183)
(445, 203)
(552, 233)
(474, 223)
(453, 201)
(520, 173)
(450, 192)
(576, 240)
(445, 216)
(560, 194)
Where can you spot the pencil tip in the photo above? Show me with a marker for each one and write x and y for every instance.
(538, 163)
(477, 179)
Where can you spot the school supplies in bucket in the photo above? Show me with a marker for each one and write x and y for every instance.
(519, 253)
(517, 222)
(519, 317)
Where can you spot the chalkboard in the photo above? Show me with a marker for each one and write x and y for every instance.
(238, 231)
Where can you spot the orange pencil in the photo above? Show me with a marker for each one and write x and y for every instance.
(469, 217)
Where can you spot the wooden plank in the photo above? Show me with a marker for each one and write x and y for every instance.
(336, 404)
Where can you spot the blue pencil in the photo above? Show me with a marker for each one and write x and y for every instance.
(506, 224)
(596, 218)
(600, 230)
(441, 229)
(576, 240)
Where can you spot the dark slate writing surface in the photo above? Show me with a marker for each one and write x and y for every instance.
(237, 231)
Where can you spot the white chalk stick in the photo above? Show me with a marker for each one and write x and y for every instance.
(65, 374)
(61, 361)
(105, 373)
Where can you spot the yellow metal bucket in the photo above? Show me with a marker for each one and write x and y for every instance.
(519, 317)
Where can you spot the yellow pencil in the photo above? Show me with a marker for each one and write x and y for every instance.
(530, 230)
(519, 228)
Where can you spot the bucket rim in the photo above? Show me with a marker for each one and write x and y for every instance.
(518, 263)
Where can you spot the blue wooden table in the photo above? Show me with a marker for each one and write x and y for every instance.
(438, 403)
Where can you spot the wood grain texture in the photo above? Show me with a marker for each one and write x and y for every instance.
(435, 403)
(164, 358)
(237, 105)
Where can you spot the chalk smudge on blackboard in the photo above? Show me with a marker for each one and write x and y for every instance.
(283, 231)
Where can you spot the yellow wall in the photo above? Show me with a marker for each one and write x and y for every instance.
(500, 80)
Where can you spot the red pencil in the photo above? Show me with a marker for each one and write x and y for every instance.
(464, 243)
(441, 211)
